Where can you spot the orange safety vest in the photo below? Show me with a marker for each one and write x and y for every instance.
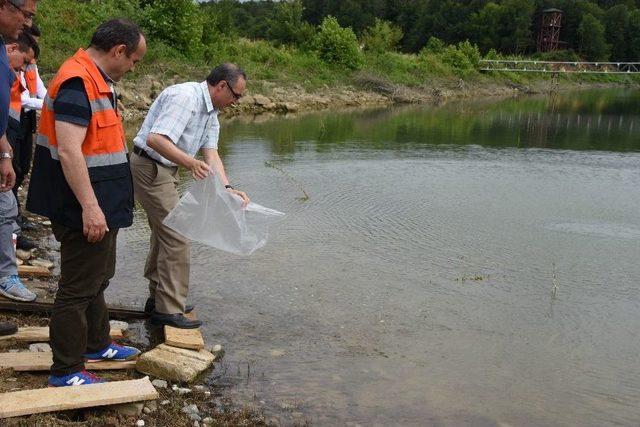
(15, 104)
(104, 149)
(31, 78)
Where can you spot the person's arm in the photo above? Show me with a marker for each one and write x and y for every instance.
(7, 175)
(41, 89)
(162, 145)
(212, 158)
(70, 138)
(29, 102)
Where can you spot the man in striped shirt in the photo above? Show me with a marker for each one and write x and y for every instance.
(181, 122)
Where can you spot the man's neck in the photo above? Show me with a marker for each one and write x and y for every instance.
(100, 60)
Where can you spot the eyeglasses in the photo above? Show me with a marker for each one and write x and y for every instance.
(236, 96)
(28, 16)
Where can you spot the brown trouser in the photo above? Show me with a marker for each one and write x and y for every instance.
(79, 318)
(167, 267)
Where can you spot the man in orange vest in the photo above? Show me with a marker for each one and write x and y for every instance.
(82, 183)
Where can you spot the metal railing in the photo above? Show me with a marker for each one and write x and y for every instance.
(555, 67)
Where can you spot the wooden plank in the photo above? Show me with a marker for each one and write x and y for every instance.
(27, 402)
(31, 361)
(115, 312)
(33, 270)
(184, 338)
(41, 334)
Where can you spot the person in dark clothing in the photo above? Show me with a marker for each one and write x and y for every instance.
(14, 16)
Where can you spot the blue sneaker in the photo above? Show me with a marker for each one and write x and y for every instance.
(12, 287)
(77, 378)
(114, 352)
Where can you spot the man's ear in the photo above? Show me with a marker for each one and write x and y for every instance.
(119, 50)
(11, 47)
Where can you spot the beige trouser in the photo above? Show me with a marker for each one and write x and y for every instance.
(167, 266)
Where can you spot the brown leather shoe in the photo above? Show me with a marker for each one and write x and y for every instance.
(8, 328)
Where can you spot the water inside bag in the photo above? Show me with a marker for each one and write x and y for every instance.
(207, 213)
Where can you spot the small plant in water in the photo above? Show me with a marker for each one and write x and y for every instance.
(291, 178)
(554, 282)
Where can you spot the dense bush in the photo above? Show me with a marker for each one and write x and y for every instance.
(337, 45)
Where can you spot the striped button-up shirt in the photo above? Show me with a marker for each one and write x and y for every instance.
(185, 114)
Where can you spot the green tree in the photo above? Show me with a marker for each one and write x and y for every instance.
(382, 36)
(337, 45)
(591, 38)
(633, 51)
(616, 21)
(287, 26)
(178, 23)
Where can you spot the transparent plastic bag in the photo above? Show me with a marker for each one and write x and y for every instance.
(207, 213)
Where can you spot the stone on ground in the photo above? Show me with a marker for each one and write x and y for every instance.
(41, 347)
(175, 364)
(159, 383)
(134, 408)
(117, 324)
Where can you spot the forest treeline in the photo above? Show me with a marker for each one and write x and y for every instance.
(317, 42)
(596, 30)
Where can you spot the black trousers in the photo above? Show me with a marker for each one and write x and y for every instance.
(20, 136)
(28, 125)
(79, 318)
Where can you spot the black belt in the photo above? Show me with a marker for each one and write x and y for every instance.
(142, 153)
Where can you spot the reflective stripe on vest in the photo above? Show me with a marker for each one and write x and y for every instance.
(31, 78)
(94, 160)
(104, 143)
(16, 99)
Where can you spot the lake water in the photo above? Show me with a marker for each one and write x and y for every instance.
(476, 263)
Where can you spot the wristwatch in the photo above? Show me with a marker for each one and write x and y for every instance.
(5, 155)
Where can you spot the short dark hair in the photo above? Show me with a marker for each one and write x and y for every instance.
(228, 72)
(26, 42)
(34, 30)
(116, 32)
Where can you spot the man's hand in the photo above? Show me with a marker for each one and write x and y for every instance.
(241, 194)
(94, 224)
(199, 169)
(7, 175)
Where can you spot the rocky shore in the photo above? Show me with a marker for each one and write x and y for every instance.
(265, 97)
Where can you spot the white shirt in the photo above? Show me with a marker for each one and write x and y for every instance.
(29, 103)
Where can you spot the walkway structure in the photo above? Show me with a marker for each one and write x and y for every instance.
(557, 67)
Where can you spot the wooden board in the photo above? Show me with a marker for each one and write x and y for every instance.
(31, 361)
(33, 270)
(184, 338)
(27, 402)
(115, 312)
(41, 334)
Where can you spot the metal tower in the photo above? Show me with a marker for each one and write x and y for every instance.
(549, 35)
